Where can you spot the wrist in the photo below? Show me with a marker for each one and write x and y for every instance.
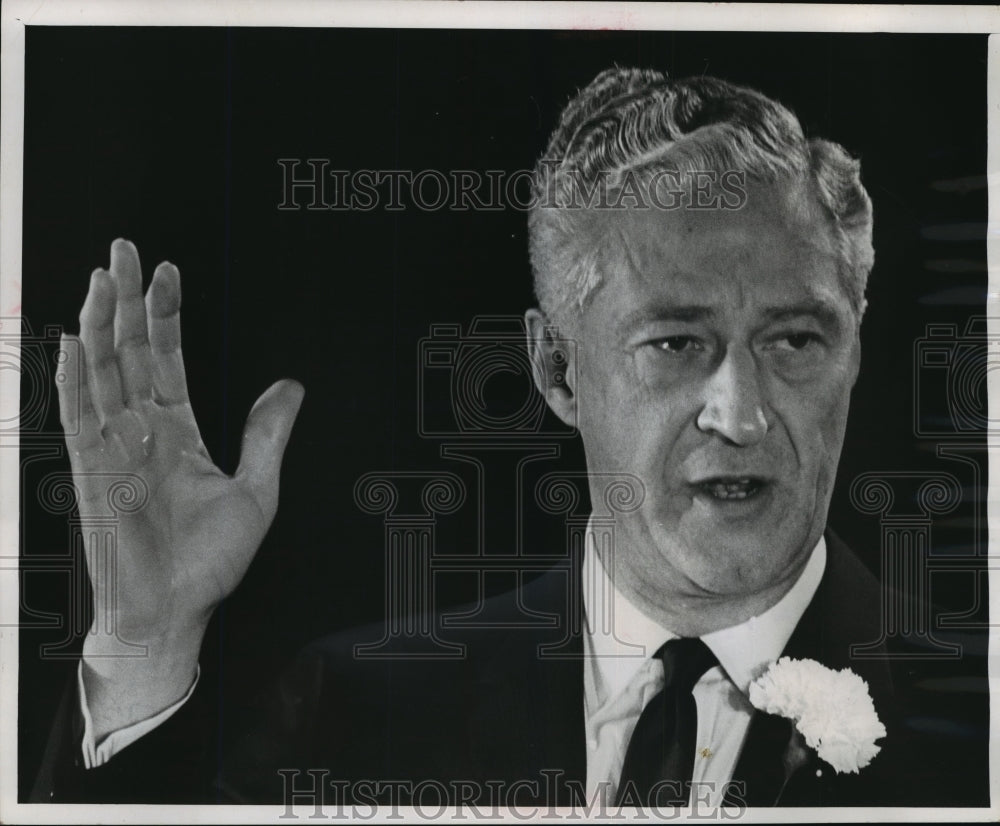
(127, 681)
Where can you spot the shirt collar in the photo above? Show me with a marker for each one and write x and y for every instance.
(620, 637)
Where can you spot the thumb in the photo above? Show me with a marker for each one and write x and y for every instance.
(264, 438)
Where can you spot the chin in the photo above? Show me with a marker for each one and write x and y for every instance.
(736, 581)
(741, 562)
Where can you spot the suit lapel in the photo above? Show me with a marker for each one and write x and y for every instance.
(844, 612)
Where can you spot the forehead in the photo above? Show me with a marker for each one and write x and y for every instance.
(778, 248)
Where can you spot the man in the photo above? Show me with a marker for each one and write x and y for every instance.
(709, 263)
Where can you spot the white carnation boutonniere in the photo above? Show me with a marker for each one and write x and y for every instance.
(832, 710)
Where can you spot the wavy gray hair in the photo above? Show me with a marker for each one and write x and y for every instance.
(637, 122)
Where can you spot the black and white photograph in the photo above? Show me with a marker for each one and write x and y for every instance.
(485, 411)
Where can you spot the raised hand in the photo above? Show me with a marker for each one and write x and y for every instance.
(125, 408)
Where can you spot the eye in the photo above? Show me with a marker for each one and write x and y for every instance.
(677, 344)
(795, 342)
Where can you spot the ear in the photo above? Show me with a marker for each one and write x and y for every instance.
(553, 361)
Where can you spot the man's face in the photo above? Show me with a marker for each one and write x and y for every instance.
(715, 363)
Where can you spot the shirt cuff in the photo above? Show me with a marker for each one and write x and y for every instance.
(97, 755)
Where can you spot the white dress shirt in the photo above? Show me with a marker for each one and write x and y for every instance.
(621, 675)
(98, 754)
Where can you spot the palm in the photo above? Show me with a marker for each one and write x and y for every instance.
(124, 400)
(173, 542)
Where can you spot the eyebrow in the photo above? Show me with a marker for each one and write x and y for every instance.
(690, 312)
(822, 310)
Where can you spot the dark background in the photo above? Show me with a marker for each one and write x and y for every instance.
(170, 137)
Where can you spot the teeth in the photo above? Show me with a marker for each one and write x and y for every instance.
(739, 489)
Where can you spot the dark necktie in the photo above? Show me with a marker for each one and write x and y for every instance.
(660, 756)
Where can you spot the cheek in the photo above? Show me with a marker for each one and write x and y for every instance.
(626, 427)
(816, 429)
(603, 397)
(601, 414)
(834, 417)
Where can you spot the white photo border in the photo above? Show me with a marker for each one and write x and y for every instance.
(443, 14)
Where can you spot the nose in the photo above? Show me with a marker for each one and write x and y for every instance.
(734, 404)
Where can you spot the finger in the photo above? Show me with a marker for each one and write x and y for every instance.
(81, 426)
(163, 312)
(264, 438)
(131, 338)
(97, 334)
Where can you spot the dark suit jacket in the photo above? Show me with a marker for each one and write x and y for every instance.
(509, 712)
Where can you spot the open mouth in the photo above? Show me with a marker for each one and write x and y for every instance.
(726, 488)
